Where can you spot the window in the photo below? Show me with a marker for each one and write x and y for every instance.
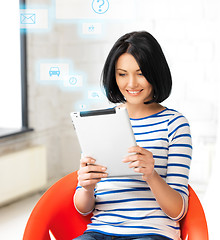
(13, 84)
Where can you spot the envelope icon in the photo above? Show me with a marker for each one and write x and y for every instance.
(27, 18)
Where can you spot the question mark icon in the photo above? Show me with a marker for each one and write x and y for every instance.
(100, 6)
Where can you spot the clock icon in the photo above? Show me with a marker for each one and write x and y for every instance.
(73, 80)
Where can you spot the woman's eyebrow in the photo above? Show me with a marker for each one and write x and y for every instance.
(121, 69)
(138, 70)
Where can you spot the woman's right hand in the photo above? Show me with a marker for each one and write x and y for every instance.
(89, 173)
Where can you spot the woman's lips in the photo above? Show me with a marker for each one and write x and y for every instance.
(134, 92)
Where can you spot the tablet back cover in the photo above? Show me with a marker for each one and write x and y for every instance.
(106, 135)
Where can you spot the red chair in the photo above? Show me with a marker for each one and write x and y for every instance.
(55, 211)
(194, 225)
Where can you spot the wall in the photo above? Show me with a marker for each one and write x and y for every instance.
(188, 33)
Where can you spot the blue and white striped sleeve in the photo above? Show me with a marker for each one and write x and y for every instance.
(179, 158)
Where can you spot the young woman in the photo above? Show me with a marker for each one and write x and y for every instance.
(150, 206)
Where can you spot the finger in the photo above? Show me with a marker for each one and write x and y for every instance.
(89, 182)
(86, 160)
(137, 149)
(137, 164)
(95, 168)
(91, 168)
(139, 170)
(134, 157)
(92, 175)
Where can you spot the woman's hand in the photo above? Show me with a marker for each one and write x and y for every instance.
(141, 161)
(89, 174)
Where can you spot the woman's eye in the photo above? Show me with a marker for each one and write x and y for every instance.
(140, 74)
(121, 74)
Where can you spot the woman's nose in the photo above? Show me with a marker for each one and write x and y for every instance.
(132, 82)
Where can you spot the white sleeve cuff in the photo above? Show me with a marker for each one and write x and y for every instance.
(184, 209)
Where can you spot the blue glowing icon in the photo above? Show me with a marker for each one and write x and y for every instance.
(91, 28)
(54, 71)
(82, 107)
(27, 18)
(73, 80)
(100, 6)
(94, 95)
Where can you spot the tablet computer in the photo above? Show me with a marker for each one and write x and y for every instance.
(106, 135)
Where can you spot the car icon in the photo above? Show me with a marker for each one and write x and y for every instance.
(54, 71)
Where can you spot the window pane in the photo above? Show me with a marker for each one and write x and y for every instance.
(10, 65)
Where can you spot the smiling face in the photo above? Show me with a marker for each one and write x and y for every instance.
(132, 84)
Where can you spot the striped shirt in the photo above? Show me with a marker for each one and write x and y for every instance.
(125, 206)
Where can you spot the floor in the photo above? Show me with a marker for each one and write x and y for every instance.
(13, 217)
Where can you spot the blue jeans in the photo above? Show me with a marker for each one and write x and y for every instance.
(100, 236)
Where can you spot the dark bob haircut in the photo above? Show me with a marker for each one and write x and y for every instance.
(151, 60)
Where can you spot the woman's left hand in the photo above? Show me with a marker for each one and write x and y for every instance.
(141, 161)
